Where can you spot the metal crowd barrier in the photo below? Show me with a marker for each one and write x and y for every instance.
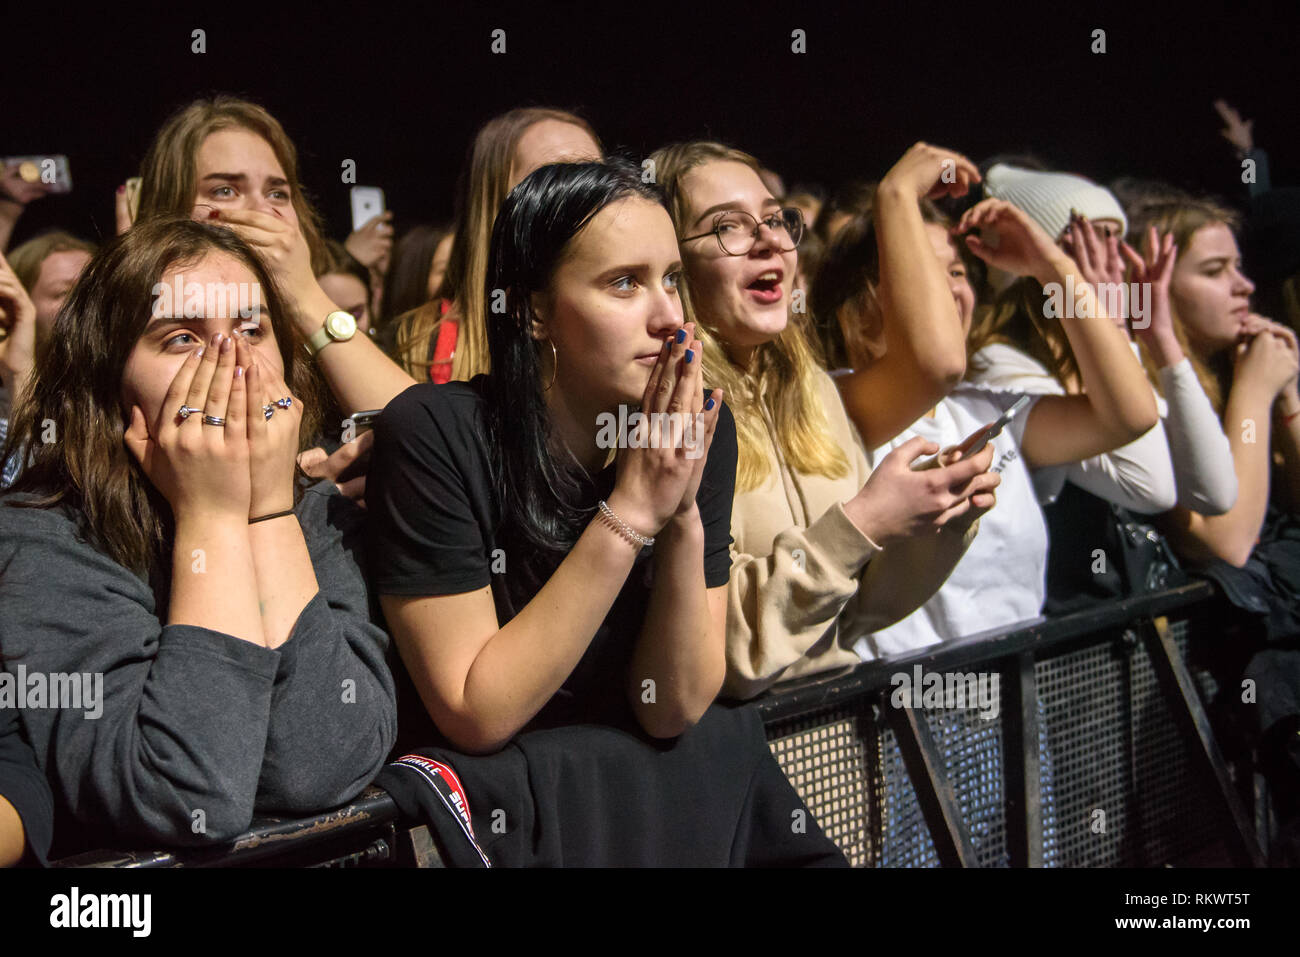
(1098, 753)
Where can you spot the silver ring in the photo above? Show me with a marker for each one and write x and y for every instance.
(284, 403)
(213, 420)
(268, 410)
(186, 411)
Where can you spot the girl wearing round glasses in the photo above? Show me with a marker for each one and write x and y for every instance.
(825, 547)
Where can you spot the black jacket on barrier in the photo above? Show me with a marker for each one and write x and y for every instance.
(598, 796)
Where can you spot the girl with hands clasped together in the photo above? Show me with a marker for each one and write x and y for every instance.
(158, 538)
(825, 548)
(1000, 580)
(550, 542)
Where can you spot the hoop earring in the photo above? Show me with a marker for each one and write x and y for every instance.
(555, 365)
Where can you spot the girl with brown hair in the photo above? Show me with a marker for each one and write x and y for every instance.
(158, 540)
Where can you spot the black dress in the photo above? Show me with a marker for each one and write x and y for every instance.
(581, 784)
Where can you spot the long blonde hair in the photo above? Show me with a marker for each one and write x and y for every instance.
(782, 375)
(1184, 217)
(483, 186)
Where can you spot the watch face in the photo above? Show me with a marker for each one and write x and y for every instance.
(341, 325)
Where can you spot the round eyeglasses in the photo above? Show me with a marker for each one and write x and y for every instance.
(737, 231)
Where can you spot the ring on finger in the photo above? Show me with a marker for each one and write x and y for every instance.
(268, 410)
(213, 420)
(186, 411)
(285, 402)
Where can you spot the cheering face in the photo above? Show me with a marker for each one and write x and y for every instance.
(237, 169)
(59, 271)
(1209, 293)
(954, 270)
(551, 141)
(182, 325)
(745, 299)
(611, 304)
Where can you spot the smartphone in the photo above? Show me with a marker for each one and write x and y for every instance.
(367, 203)
(133, 196)
(363, 422)
(974, 444)
(52, 170)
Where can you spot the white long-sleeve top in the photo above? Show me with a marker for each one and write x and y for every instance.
(1185, 459)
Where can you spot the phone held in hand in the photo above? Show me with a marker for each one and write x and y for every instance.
(975, 442)
(367, 203)
(363, 422)
(51, 170)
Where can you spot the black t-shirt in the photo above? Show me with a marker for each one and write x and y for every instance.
(436, 529)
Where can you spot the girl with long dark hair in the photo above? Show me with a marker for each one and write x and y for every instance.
(551, 550)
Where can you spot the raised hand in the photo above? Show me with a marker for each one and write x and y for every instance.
(121, 210)
(280, 244)
(899, 502)
(659, 479)
(1157, 268)
(201, 469)
(1235, 130)
(1017, 245)
(15, 189)
(931, 171)
(1097, 254)
(273, 441)
(17, 330)
(372, 244)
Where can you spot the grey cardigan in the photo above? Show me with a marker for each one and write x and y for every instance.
(198, 729)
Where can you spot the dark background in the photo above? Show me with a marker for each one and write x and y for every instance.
(401, 89)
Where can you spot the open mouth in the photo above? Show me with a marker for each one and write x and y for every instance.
(766, 287)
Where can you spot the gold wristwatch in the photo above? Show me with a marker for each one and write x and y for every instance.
(339, 326)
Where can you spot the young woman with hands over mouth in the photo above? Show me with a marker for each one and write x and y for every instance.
(553, 595)
(826, 547)
(230, 162)
(163, 542)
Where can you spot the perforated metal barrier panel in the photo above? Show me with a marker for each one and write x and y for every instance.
(1116, 784)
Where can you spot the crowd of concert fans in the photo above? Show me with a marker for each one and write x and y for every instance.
(519, 498)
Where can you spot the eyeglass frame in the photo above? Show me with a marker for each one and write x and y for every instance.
(753, 235)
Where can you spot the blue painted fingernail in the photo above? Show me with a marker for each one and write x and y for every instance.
(708, 406)
(689, 356)
(668, 343)
(681, 335)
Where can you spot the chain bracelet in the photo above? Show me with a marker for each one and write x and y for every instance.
(625, 530)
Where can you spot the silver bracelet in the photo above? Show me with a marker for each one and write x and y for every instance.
(623, 528)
